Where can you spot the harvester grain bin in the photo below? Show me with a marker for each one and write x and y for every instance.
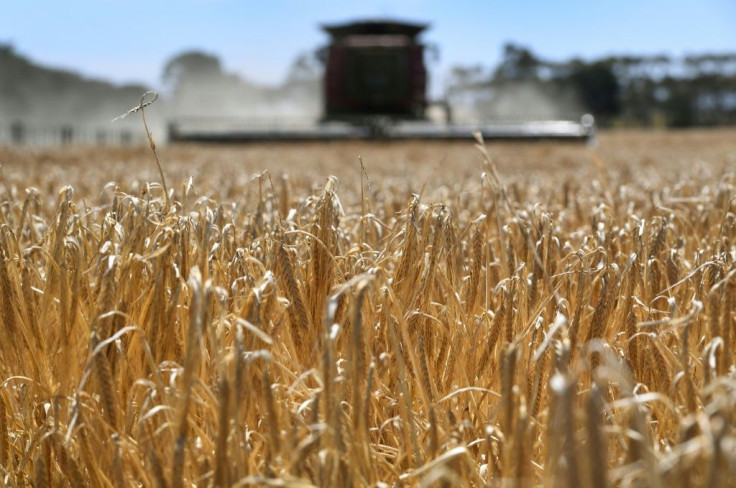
(374, 87)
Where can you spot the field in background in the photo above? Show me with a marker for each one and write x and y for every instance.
(537, 314)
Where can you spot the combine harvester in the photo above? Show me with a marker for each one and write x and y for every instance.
(375, 87)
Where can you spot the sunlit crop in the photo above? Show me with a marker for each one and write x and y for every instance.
(497, 315)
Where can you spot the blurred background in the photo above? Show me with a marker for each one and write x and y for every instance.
(67, 68)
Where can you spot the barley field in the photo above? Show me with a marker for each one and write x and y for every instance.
(354, 314)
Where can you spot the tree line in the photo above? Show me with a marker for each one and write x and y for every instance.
(34, 94)
(660, 90)
(665, 91)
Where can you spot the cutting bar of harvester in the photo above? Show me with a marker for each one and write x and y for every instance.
(228, 130)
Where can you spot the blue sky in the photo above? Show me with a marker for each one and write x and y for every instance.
(130, 40)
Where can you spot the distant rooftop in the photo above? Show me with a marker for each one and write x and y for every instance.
(375, 27)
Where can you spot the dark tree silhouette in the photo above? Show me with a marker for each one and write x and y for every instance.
(519, 63)
(597, 87)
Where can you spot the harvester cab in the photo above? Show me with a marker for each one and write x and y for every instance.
(374, 69)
